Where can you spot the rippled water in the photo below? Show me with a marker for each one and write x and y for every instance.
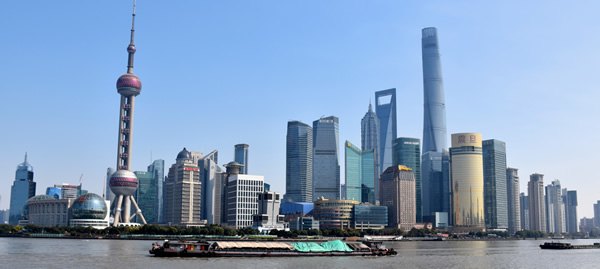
(71, 253)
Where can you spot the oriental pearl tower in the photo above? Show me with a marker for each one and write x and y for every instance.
(124, 183)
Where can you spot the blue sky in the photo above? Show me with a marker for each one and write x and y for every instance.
(225, 72)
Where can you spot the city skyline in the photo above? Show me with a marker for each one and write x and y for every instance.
(83, 142)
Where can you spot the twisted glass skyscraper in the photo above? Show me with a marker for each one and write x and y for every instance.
(435, 184)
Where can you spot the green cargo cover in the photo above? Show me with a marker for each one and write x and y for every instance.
(336, 245)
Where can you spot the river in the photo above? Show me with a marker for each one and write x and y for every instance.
(72, 253)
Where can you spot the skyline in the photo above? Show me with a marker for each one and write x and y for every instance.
(338, 57)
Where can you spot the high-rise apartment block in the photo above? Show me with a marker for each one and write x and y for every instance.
(524, 200)
(326, 167)
(494, 184)
(299, 163)
(570, 200)
(537, 206)
(555, 209)
(397, 191)
(407, 152)
(513, 199)
(466, 166)
(22, 189)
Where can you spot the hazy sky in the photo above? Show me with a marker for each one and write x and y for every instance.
(220, 73)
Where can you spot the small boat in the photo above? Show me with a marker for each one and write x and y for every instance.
(268, 249)
(560, 245)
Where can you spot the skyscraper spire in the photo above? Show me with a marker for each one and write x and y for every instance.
(131, 47)
(25, 158)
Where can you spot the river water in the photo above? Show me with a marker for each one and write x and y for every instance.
(72, 253)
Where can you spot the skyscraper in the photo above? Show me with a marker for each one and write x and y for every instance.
(434, 124)
(157, 169)
(22, 189)
(513, 199)
(570, 200)
(555, 209)
(385, 109)
(397, 190)
(149, 192)
(326, 166)
(407, 151)
(537, 207)
(494, 184)
(299, 162)
(597, 214)
(210, 176)
(124, 183)
(524, 201)
(466, 165)
(435, 188)
(146, 195)
(182, 191)
(360, 174)
(369, 136)
(241, 157)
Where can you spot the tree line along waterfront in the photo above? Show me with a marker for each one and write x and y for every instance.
(217, 231)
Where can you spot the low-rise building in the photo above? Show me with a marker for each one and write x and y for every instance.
(268, 217)
(46, 211)
(334, 214)
(304, 223)
(371, 217)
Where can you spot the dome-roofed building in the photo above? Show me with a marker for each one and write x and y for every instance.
(46, 211)
(184, 154)
(90, 210)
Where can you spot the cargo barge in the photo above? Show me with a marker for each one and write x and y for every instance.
(268, 249)
(561, 245)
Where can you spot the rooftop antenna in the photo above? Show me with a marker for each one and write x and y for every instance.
(131, 47)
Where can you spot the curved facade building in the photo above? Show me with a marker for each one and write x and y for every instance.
(385, 109)
(89, 210)
(334, 214)
(466, 170)
(47, 211)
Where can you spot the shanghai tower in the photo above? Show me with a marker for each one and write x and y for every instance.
(124, 183)
(434, 172)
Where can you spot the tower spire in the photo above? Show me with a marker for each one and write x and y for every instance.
(131, 47)
(25, 158)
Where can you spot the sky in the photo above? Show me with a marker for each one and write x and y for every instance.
(219, 73)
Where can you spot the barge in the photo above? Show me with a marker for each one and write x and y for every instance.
(268, 249)
(561, 245)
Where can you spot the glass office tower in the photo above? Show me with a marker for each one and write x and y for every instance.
(326, 167)
(299, 163)
(22, 189)
(360, 174)
(494, 179)
(385, 108)
(434, 182)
